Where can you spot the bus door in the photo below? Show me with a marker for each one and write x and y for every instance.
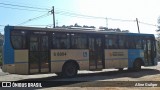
(95, 53)
(149, 51)
(38, 54)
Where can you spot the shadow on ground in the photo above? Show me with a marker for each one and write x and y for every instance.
(55, 81)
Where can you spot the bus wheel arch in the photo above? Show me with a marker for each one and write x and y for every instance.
(137, 64)
(70, 68)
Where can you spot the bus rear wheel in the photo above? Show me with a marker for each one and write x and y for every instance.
(70, 69)
(137, 65)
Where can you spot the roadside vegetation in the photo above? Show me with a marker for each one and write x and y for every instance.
(0, 55)
(1, 43)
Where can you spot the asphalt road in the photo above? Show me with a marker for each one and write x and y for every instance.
(91, 78)
(87, 75)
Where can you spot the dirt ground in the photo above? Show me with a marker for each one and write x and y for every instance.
(96, 80)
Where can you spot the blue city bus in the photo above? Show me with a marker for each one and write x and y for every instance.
(32, 50)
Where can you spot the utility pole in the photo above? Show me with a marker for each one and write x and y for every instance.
(52, 11)
(137, 25)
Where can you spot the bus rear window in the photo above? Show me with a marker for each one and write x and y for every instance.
(18, 39)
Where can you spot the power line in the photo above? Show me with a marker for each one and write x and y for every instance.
(44, 15)
(61, 12)
(123, 20)
(22, 9)
(72, 14)
(87, 16)
(24, 6)
(76, 15)
(34, 19)
(64, 10)
(148, 24)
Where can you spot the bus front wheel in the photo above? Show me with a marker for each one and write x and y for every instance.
(70, 69)
(137, 65)
(59, 74)
(120, 69)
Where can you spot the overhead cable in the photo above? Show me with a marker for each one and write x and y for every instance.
(22, 9)
(87, 16)
(24, 6)
(44, 15)
(148, 24)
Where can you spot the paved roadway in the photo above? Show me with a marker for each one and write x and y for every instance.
(146, 74)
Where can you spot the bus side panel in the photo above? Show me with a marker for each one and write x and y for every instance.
(8, 52)
(116, 58)
(133, 54)
(60, 56)
(21, 61)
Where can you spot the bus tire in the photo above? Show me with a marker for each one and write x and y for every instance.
(130, 69)
(137, 65)
(70, 69)
(120, 69)
(59, 74)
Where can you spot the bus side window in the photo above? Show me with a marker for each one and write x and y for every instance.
(62, 45)
(138, 42)
(18, 39)
(110, 44)
(17, 42)
(154, 47)
(34, 46)
(44, 43)
(131, 42)
(110, 41)
(106, 44)
(121, 42)
(144, 44)
(60, 41)
(78, 41)
(54, 41)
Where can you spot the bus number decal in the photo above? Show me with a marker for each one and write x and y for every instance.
(59, 53)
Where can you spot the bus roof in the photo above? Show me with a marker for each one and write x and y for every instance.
(78, 30)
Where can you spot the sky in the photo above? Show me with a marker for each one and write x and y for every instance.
(117, 11)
